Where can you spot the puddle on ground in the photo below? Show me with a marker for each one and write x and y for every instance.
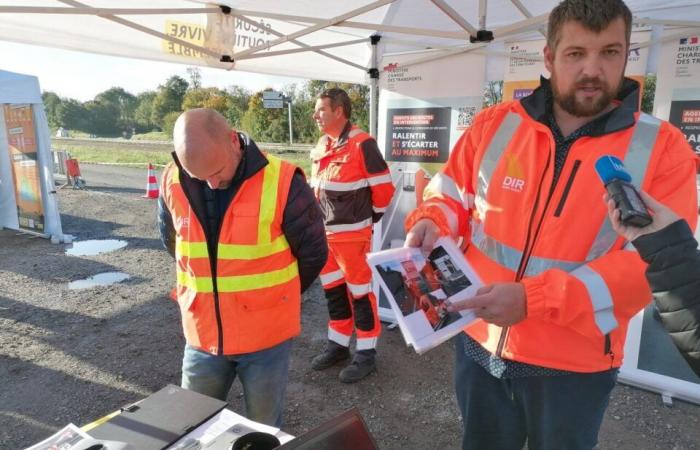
(95, 247)
(101, 279)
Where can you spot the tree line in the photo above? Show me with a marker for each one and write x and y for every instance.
(118, 113)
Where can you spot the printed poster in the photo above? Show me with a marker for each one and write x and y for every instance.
(21, 137)
(678, 87)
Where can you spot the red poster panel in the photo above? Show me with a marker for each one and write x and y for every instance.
(21, 137)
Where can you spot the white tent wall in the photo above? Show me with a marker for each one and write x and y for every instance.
(19, 89)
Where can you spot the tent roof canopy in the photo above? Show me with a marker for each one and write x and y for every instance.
(318, 39)
(19, 88)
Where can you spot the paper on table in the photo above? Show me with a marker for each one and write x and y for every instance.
(65, 438)
(218, 424)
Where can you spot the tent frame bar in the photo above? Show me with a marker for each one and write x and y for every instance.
(455, 16)
(306, 49)
(301, 44)
(146, 30)
(313, 28)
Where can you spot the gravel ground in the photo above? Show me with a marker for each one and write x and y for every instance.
(75, 355)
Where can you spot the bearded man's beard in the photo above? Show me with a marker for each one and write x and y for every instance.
(589, 107)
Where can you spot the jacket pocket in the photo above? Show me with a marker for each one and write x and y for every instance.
(567, 188)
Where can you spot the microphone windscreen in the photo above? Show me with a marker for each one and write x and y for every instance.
(611, 168)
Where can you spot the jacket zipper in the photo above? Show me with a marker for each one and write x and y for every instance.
(525, 257)
(567, 188)
(608, 351)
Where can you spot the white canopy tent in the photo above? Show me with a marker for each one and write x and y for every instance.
(18, 90)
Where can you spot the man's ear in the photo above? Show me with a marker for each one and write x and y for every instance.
(548, 58)
(234, 138)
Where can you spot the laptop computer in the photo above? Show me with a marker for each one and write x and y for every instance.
(347, 431)
(160, 419)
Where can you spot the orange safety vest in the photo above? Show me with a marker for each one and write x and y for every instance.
(254, 301)
(349, 195)
(582, 284)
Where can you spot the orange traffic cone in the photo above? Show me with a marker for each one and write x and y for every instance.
(152, 183)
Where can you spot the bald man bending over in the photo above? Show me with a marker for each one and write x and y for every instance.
(248, 238)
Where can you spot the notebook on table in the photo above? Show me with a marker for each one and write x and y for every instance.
(160, 419)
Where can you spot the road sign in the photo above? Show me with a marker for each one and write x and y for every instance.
(275, 104)
(272, 95)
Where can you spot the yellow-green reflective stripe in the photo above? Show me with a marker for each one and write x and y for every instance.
(201, 285)
(258, 281)
(238, 283)
(268, 199)
(191, 249)
(235, 251)
(232, 251)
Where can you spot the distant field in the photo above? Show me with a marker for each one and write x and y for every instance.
(142, 152)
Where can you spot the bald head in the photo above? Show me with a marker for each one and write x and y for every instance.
(207, 147)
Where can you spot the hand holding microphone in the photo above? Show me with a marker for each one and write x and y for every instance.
(632, 210)
(661, 218)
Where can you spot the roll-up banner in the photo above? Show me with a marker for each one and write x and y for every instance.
(22, 143)
(651, 359)
(423, 110)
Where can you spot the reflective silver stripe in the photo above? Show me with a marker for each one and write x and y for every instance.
(379, 179)
(636, 162)
(327, 278)
(366, 343)
(378, 210)
(358, 290)
(494, 152)
(338, 338)
(341, 185)
(510, 258)
(600, 297)
(451, 217)
(350, 226)
(443, 184)
(354, 132)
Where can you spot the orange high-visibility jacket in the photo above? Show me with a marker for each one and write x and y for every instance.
(582, 283)
(352, 183)
(254, 301)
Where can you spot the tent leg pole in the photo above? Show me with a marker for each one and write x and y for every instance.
(374, 87)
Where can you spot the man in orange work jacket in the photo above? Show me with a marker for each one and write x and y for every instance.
(560, 286)
(248, 239)
(353, 186)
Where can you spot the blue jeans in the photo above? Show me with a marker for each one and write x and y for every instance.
(549, 412)
(263, 374)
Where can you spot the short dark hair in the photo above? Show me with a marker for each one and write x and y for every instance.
(338, 97)
(594, 15)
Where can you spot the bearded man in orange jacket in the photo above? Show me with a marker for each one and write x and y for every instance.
(520, 188)
(353, 186)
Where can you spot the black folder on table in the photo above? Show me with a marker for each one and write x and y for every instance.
(159, 420)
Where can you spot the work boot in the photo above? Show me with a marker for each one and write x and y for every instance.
(363, 363)
(332, 355)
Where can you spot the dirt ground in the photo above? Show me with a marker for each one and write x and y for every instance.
(75, 355)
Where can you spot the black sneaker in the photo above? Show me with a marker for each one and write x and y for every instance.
(332, 355)
(361, 366)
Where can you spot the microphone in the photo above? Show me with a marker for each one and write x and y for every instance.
(633, 211)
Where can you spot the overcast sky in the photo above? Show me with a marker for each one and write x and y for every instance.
(83, 75)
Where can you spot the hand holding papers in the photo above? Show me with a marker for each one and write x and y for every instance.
(419, 290)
